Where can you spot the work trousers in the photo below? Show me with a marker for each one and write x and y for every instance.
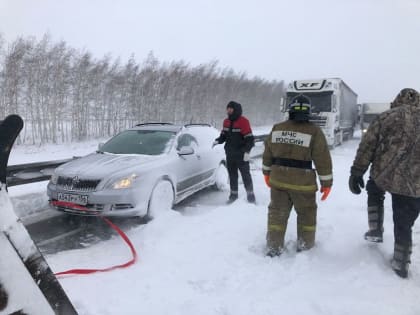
(279, 209)
(405, 212)
(233, 165)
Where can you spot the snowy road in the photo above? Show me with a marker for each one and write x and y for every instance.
(60, 232)
(208, 259)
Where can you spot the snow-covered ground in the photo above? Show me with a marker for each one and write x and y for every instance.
(209, 258)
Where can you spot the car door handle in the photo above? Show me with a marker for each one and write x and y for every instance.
(198, 157)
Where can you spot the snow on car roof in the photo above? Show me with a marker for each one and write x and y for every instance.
(158, 126)
(166, 126)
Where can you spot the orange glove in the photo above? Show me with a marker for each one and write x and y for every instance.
(267, 180)
(325, 192)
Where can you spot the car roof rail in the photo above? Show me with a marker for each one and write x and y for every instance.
(154, 123)
(197, 124)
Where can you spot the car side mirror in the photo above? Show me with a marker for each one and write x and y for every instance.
(186, 151)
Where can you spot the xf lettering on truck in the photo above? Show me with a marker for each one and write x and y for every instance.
(308, 84)
(291, 137)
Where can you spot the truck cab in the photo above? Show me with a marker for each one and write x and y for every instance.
(334, 106)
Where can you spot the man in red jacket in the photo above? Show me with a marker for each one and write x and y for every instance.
(239, 140)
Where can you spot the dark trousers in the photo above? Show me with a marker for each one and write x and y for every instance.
(376, 195)
(405, 212)
(375, 201)
(233, 165)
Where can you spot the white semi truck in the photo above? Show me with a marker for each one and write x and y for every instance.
(334, 106)
(369, 111)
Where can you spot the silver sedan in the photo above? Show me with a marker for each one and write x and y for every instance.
(140, 171)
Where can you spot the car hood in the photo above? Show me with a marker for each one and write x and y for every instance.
(100, 165)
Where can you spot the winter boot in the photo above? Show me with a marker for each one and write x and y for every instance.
(376, 224)
(375, 236)
(250, 197)
(305, 236)
(400, 269)
(401, 260)
(302, 245)
(274, 252)
(275, 237)
(232, 198)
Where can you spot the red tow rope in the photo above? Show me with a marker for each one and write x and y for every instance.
(89, 271)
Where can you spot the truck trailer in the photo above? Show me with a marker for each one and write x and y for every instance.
(369, 111)
(334, 106)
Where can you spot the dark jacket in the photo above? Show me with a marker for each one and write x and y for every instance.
(236, 134)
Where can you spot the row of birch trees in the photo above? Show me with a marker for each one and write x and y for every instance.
(65, 95)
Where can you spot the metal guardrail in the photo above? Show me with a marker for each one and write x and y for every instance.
(260, 138)
(32, 172)
(37, 172)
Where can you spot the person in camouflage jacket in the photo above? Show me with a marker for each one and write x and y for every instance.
(392, 150)
(289, 151)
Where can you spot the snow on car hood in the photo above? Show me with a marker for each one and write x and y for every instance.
(100, 165)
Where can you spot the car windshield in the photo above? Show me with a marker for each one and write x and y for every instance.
(148, 142)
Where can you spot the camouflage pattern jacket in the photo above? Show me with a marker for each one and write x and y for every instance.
(289, 152)
(391, 145)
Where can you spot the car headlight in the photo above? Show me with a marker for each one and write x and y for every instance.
(54, 178)
(125, 182)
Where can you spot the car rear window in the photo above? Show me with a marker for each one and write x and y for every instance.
(148, 142)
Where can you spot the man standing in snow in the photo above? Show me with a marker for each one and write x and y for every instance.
(239, 140)
(391, 147)
(287, 167)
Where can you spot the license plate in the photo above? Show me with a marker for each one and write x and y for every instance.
(78, 199)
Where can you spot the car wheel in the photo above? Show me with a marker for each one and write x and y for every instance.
(161, 199)
(221, 177)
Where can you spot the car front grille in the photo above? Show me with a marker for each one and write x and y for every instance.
(77, 184)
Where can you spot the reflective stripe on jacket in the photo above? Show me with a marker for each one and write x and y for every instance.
(238, 137)
(303, 143)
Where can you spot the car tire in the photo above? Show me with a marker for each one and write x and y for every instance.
(161, 199)
(221, 178)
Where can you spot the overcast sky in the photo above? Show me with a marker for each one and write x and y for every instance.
(374, 45)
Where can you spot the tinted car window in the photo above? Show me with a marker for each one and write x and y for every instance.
(148, 142)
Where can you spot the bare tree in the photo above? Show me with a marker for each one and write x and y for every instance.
(68, 95)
